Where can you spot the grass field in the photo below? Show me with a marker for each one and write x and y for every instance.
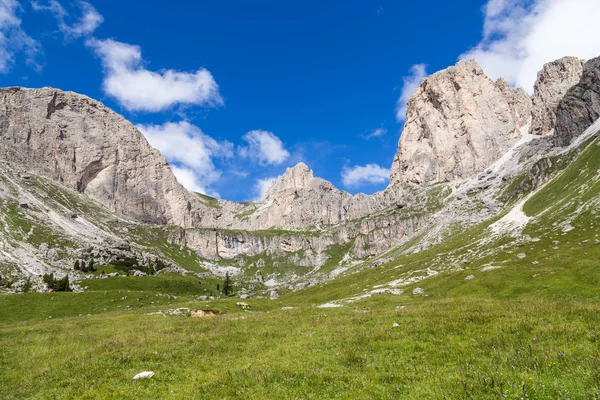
(521, 331)
(513, 315)
(467, 346)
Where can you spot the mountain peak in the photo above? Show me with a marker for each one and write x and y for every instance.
(457, 122)
(297, 177)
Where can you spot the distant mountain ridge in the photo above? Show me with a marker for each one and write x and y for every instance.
(469, 148)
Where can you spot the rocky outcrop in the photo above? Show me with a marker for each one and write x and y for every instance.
(580, 108)
(552, 84)
(458, 122)
(518, 101)
(85, 146)
(298, 200)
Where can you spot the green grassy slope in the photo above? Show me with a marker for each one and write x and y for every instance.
(528, 328)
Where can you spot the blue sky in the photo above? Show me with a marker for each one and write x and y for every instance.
(233, 92)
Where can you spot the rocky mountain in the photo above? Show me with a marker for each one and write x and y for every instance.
(552, 84)
(580, 107)
(457, 123)
(78, 181)
(83, 145)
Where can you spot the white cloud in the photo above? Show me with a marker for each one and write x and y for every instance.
(376, 133)
(264, 147)
(520, 37)
(192, 181)
(261, 187)
(138, 89)
(411, 83)
(87, 23)
(192, 150)
(13, 39)
(370, 173)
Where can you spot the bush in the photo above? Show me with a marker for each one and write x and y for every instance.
(130, 263)
(5, 282)
(77, 266)
(27, 286)
(58, 285)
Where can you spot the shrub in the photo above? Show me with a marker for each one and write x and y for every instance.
(27, 286)
(58, 285)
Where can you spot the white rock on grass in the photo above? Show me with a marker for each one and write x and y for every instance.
(468, 278)
(490, 268)
(567, 228)
(329, 305)
(395, 325)
(418, 291)
(521, 256)
(143, 375)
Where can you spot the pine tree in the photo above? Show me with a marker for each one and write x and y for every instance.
(227, 287)
(76, 266)
(62, 285)
(49, 280)
(27, 286)
(91, 265)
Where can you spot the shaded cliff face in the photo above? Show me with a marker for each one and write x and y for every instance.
(580, 107)
(552, 84)
(83, 145)
(458, 122)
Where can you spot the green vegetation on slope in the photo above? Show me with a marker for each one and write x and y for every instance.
(526, 324)
(164, 283)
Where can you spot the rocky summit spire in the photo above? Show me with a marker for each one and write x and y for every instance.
(457, 123)
(580, 107)
(297, 177)
(552, 84)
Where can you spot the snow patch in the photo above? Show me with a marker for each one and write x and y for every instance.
(514, 221)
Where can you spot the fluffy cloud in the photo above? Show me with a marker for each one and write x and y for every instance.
(190, 150)
(191, 180)
(410, 84)
(138, 89)
(87, 23)
(370, 173)
(13, 39)
(520, 37)
(261, 187)
(264, 147)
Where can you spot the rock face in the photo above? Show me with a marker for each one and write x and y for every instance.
(298, 200)
(458, 122)
(82, 144)
(552, 84)
(580, 108)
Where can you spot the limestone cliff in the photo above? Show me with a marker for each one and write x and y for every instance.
(552, 84)
(581, 105)
(457, 123)
(85, 146)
